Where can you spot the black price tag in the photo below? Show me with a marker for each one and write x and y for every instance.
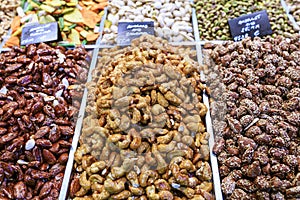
(251, 25)
(128, 31)
(38, 33)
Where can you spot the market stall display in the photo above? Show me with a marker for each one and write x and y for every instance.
(144, 135)
(172, 19)
(149, 124)
(78, 20)
(40, 94)
(256, 116)
(213, 16)
(294, 9)
(7, 13)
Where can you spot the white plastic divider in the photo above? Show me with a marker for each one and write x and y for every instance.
(208, 121)
(4, 49)
(69, 167)
(286, 7)
(5, 38)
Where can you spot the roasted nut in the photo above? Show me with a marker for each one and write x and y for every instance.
(174, 26)
(212, 24)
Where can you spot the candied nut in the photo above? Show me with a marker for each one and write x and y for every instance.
(293, 192)
(238, 194)
(252, 170)
(74, 187)
(248, 155)
(253, 131)
(45, 190)
(228, 185)
(280, 168)
(224, 170)
(122, 195)
(147, 177)
(233, 162)
(204, 172)
(48, 156)
(246, 185)
(290, 160)
(219, 146)
(263, 139)
(277, 153)
(245, 143)
(275, 182)
(235, 125)
(262, 182)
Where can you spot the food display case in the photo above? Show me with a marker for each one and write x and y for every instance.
(185, 114)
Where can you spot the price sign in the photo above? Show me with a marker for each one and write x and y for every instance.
(128, 31)
(38, 33)
(251, 25)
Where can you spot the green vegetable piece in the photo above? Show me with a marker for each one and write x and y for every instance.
(28, 8)
(63, 44)
(72, 26)
(61, 23)
(84, 42)
(36, 2)
(22, 4)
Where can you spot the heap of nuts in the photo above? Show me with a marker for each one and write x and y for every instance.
(255, 90)
(7, 13)
(143, 136)
(213, 16)
(40, 91)
(172, 18)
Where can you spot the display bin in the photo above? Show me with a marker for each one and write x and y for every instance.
(213, 161)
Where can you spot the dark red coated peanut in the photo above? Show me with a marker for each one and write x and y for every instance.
(63, 158)
(42, 132)
(45, 190)
(8, 137)
(43, 143)
(48, 157)
(24, 80)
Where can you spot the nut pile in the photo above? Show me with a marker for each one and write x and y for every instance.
(213, 16)
(40, 91)
(78, 20)
(7, 13)
(172, 19)
(143, 136)
(294, 9)
(256, 117)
